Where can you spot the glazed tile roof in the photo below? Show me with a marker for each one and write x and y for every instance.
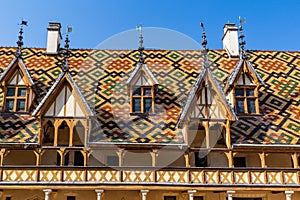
(101, 76)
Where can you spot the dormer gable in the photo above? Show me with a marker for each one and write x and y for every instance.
(242, 88)
(64, 99)
(18, 87)
(206, 101)
(142, 76)
(244, 74)
(141, 87)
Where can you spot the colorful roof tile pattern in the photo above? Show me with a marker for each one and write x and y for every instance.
(101, 76)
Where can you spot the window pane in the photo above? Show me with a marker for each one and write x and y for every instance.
(251, 106)
(22, 92)
(239, 92)
(11, 92)
(249, 92)
(148, 105)
(9, 104)
(136, 105)
(20, 104)
(240, 106)
(147, 91)
(136, 92)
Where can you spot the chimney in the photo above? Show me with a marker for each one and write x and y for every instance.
(54, 38)
(230, 40)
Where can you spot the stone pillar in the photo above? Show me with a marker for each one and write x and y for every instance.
(99, 193)
(121, 153)
(262, 157)
(288, 195)
(47, 193)
(295, 160)
(230, 194)
(187, 159)
(144, 194)
(191, 194)
(229, 156)
(154, 154)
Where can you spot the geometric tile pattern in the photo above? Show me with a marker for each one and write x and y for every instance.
(101, 76)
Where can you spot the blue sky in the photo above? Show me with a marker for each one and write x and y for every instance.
(270, 24)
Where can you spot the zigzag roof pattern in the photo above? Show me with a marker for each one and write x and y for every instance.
(101, 76)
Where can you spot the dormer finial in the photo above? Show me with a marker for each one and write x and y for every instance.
(20, 41)
(66, 51)
(204, 43)
(141, 47)
(242, 41)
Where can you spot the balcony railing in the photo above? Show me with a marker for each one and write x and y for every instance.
(175, 176)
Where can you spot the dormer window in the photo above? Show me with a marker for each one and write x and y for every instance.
(242, 89)
(142, 99)
(141, 87)
(246, 101)
(17, 87)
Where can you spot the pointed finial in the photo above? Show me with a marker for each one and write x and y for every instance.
(67, 52)
(141, 47)
(242, 41)
(204, 43)
(20, 41)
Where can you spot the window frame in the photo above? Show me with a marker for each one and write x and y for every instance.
(142, 97)
(246, 99)
(15, 98)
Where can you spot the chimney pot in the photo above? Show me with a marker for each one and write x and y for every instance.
(54, 38)
(230, 40)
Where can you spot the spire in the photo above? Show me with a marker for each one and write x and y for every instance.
(20, 41)
(141, 47)
(65, 67)
(204, 43)
(242, 40)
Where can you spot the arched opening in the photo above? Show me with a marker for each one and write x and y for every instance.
(279, 160)
(48, 134)
(246, 160)
(196, 135)
(78, 134)
(20, 157)
(63, 134)
(137, 158)
(49, 157)
(217, 135)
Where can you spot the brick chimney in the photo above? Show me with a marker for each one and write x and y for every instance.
(54, 38)
(230, 40)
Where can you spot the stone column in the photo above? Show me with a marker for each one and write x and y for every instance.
(288, 195)
(47, 193)
(154, 154)
(262, 157)
(191, 194)
(230, 194)
(99, 193)
(144, 194)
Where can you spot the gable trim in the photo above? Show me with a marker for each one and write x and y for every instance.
(233, 77)
(147, 71)
(68, 77)
(21, 66)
